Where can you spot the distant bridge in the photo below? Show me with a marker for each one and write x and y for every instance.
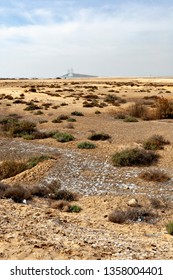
(70, 75)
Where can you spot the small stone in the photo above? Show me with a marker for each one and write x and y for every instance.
(132, 202)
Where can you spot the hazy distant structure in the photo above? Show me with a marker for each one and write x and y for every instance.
(71, 75)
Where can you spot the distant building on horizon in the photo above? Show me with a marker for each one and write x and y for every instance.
(70, 75)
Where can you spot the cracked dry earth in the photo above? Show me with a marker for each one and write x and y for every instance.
(35, 230)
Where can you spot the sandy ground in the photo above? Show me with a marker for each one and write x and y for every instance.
(35, 230)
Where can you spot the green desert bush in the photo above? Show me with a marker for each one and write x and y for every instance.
(33, 161)
(99, 136)
(63, 137)
(154, 175)
(169, 228)
(155, 142)
(86, 145)
(134, 157)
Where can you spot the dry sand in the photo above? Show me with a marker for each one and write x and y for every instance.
(36, 231)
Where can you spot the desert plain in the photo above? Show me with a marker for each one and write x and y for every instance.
(35, 228)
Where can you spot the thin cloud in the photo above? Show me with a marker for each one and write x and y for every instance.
(129, 40)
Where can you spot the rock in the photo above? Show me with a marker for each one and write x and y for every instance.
(133, 202)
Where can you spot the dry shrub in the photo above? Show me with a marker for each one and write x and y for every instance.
(134, 215)
(70, 126)
(10, 168)
(138, 110)
(15, 128)
(99, 136)
(117, 216)
(53, 190)
(40, 191)
(159, 203)
(17, 193)
(64, 195)
(61, 205)
(54, 186)
(155, 142)
(154, 175)
(164, 108)
(140, 215)
(49, 190)
(113, 99)
(134, 157)
(3, 188)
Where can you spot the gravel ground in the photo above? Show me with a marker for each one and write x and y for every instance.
(85, 174)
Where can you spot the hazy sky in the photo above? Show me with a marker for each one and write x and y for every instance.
(44, 38)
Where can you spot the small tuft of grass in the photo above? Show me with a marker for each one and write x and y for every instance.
(86, 145)
(134, 157)
(75, 208)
